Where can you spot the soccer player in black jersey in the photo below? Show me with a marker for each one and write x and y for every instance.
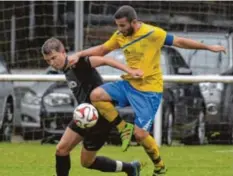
(82, 78)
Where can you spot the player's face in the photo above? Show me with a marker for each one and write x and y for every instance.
(124, 26)
(55, 59)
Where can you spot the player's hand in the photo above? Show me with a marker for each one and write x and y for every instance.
(136, 73)
(73, 59)
(217, 48)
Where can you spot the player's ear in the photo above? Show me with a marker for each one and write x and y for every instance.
(63, 51)
(134, 21)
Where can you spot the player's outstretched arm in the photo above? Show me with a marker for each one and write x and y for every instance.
(97, 61)
(192, 44)
(98, 50)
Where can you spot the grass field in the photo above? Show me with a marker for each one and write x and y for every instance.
(33, 159)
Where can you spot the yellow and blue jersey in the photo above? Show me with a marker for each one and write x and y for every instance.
(142, 51)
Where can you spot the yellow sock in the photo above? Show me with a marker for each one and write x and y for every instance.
(109, 112)
(152, 150)
(121, 125)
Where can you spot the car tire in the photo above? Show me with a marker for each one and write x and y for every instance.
(6, 130)
(168, 126)
(200, 132)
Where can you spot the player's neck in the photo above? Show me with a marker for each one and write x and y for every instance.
(66, 63)
(137, 27)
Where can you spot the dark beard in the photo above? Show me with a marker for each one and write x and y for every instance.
(130, 32)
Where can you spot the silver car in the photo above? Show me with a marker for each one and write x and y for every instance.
(204, 62)
(7, 104)
(45, 107)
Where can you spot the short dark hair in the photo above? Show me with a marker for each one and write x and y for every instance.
(127, 12)
(52, 44)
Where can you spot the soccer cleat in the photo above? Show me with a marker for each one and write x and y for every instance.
(126, 136)
(136, 168)
(159, 171)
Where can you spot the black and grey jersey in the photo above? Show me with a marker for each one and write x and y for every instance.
(82, 79)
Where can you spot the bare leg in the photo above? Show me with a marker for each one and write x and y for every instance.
(68, 141)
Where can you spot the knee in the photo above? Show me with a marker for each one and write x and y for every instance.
(87, 162)
(95, 95)
(62, 150)
(140, 135)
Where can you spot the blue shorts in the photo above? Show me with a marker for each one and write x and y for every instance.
(144, 104)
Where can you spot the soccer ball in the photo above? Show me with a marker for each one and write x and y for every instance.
(85, 115)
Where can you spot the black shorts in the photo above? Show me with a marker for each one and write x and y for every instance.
(94, 137)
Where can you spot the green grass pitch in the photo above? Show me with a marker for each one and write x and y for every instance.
(33, 159)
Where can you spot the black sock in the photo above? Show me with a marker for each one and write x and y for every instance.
(105, 164)
(62, 165)
(116, 121)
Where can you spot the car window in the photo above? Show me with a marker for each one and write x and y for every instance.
(176, 61)
(209, 63)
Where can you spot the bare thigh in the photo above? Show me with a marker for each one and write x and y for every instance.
(87, 157)
(99, 94)
(68, 141)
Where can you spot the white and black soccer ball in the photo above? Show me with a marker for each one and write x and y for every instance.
(85, 115)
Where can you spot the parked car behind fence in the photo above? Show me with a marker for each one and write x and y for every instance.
(7, 104)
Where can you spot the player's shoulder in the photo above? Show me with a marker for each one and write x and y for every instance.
(83, 62)
(156, 31)
(149, 27)
(117, 34)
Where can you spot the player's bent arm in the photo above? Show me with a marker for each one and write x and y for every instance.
(98, 50)
(101, 50)
(97, 61)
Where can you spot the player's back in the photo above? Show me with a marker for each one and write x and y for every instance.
(82, 79)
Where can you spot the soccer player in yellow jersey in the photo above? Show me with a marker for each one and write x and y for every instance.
(141, 44)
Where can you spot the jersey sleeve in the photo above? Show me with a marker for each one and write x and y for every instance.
(112, 43)
(159, 37)
(84, 63)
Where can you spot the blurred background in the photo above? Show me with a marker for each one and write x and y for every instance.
(32, 107)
